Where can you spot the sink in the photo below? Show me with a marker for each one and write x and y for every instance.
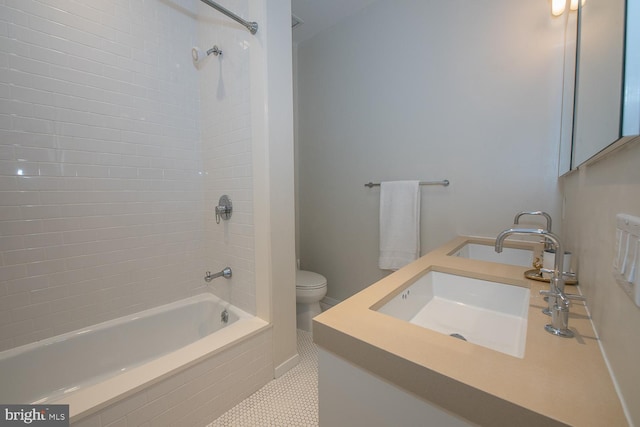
(490, 314)
(512, 256)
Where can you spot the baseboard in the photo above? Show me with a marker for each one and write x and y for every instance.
(288, 364)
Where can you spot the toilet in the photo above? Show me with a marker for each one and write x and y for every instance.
(310, 289)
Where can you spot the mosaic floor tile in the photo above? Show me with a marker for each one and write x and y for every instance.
(289, 401)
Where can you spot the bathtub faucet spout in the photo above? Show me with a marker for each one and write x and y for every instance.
(226, 273)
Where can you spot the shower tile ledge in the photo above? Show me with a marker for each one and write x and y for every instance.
(557, 382)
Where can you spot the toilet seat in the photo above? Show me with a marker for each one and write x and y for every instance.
(309, 280)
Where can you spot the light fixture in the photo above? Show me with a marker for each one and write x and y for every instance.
(574, 4)
(558, 6)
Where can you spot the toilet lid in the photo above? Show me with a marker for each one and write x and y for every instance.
(309, 280)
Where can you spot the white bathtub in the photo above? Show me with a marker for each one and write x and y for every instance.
(95, 367)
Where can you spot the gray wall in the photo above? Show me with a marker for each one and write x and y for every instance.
(430, 90)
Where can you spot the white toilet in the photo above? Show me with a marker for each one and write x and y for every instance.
(310, 289)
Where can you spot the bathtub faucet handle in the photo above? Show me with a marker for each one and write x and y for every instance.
(226, 273)
(224, 209)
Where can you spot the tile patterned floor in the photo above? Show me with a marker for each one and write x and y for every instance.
(291, 400)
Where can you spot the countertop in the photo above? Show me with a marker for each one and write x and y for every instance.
(559, 381)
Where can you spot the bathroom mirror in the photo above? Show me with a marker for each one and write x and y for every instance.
(607, 90)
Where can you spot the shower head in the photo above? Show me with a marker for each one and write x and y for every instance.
(198, 56)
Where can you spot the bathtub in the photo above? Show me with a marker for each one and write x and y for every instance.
(95, 367)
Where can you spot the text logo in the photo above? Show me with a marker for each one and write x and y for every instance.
(34, 415)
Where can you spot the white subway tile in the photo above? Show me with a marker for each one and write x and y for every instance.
(38, 183)
(13, 272)
(85, 171)
(12, 242)
(10, 213)
(29, 94)
(15, 168)
(39, 212)
(20, 227)
(12, 13)
(44, 112)
(121, 409)
(14, 330)
(29, 139)
(79, 9)
(15, 300)
(83, 131)
(42, 240)
(24, 37)
(28, 65)
(31, 311)
(84, 78)
(49, 56)
(31, 125)
(118, 74)
(50, 169)
(22, 256)
(33, 154)
(48, 294)
(70, 277)
(45, 267)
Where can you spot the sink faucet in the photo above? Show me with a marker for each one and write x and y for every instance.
(516, 220)
(558, 301)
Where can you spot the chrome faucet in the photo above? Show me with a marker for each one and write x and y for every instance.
(226, 273)
(516, 220)
(558, 301)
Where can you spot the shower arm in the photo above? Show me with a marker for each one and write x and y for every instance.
(251, 26)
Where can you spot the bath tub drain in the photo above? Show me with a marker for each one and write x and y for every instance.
(460, 337)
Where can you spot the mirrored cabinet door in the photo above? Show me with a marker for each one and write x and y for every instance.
(599, 77)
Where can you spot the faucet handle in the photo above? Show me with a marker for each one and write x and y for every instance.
(553, 294)
(563, 297)
(550, 272)
(575, 297)
(559, 325)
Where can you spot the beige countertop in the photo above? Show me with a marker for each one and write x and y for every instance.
(560, 381)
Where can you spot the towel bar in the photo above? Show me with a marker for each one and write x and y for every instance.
(444, 183)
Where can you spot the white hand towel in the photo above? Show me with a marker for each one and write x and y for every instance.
(399, 224)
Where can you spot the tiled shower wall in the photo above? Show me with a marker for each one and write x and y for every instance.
(104, 194)
(225, 123)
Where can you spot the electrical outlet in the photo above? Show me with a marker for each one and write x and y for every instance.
(626, 261)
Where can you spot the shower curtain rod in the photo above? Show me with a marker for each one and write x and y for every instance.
(251, 26)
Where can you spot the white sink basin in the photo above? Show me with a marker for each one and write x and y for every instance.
(490, 314)
(512, 256)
